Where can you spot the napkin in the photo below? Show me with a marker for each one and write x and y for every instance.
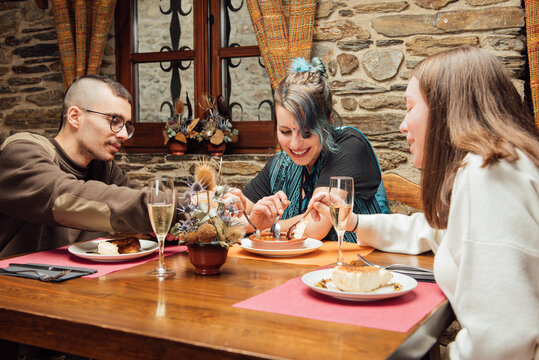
(399, 314)
(27, 271)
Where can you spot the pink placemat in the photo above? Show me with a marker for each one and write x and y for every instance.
(62, 257)
(398, 314)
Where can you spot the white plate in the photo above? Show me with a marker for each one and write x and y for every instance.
(312, 278)
(87, 250)
(308, 246)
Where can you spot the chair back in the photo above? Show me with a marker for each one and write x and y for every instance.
(402, 190)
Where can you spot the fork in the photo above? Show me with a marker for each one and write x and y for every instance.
(395, 266)
(294, 225)
(45, 277)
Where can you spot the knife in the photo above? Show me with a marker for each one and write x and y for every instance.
(54, 268)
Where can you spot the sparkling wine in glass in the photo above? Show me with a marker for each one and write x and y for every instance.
(341, 200)
(161, 205)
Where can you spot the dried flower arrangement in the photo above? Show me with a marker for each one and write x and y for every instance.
(216, 127)
(179, 127)
(207, 217)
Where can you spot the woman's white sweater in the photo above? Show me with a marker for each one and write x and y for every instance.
(486, 262)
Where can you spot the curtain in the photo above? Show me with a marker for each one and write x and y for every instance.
(532, 39)
(82, 27)
(284, 30)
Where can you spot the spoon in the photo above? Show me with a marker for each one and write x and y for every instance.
(275, 230)
(257, 232)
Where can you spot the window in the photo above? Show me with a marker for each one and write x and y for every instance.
(169, 47)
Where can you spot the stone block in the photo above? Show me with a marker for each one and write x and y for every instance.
(17, 81)
(9, 22)
(353, 45)
(325, 8)
(349, 104)
(46, 36)
(374, 124)
(6, 56)
(354, 87)
(391, 42)
(346, 13)
(382, 101)
(16, 41)
(55, 77)
(144, 158)
(398, 87)
(33, 118)
(428, 45)
(433, 4)
(382, 64)
(348, 63)
(485, 19)
(336, 30)
(405, 25)
(503, 43)
(9, 102)
(32, 89)
(38, 50)
(30, 69)
(44, 60)
(390, 160)
(241, 168)
(484, 2)
(46, 98)
(381, 7)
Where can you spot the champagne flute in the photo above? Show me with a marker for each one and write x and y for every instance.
(341, 200)
(161, 204)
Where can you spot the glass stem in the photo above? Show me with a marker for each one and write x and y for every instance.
(340, 236)
(161, 243)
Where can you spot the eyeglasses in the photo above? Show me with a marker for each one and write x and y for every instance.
(117, 123)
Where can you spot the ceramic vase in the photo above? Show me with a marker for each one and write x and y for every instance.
(217, 150)
(207, 259)
(177, 147)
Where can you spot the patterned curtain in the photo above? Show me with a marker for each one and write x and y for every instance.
(284, 30)
(82, 27)
(532, 36)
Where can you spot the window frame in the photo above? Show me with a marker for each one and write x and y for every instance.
(207, 54)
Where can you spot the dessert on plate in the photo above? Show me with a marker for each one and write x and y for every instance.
(360, 279)
(128, 245)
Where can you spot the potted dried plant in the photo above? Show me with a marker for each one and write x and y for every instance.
(180, 127)
(216, 128)
(209, 225)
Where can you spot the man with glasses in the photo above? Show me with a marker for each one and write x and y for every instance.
(58, 191)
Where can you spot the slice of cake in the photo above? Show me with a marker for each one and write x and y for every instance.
(360, 279)
(126, 245)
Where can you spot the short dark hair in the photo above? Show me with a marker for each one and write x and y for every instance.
(115, 87)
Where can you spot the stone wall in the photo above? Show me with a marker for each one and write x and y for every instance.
(369, 47)
(31, 84)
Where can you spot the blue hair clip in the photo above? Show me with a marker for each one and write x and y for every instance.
(299, 64)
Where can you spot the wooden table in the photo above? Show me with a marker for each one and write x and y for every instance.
(129, 315)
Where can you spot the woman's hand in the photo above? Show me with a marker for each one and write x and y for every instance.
(320, 209)
(265, 211)
(235, 196)
(319, 206)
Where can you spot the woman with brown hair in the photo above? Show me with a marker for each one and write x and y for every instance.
(479, 154)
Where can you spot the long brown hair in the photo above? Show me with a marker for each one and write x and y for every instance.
(473, 108)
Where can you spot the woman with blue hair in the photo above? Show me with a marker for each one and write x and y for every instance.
(315, 147)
